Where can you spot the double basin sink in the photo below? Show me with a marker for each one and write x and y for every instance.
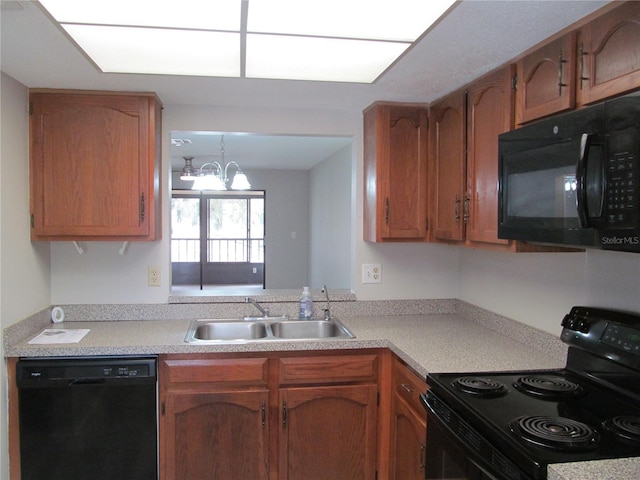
(260, 329)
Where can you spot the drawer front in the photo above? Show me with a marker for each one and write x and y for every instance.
(408, 385)
(220, 371)
(330, 369)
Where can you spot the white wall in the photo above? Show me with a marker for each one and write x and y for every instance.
(286, 224)
(330, 227)
(24, 272)
(540, 288)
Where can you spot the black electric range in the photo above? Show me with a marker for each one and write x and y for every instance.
(512, 425)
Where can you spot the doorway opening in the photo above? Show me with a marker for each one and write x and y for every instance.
(218, 238)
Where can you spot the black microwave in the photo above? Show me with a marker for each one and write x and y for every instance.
(573, 179)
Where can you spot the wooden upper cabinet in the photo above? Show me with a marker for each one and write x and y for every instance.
(609, 50)
(448, 144)
(94, 165)
(546, 80)
(395, 170)
(489, 113)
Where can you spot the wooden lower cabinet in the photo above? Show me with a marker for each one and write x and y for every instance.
(216, 435)
(408, 425)
(328, 432)
(277, 416)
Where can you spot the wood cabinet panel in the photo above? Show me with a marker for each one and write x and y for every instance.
(395, 153)
(220, 371)
(328, 432)
(610, 54)
(489, 113)
(448, 145)
(410, 428)
(330, 369)
(216, 435)
(546, 80)
(408, 424)
(94, 166)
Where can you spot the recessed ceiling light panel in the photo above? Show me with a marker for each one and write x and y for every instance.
(402, 20)
(194, 14)
(322, 59)
(159, 51)
(323, 40)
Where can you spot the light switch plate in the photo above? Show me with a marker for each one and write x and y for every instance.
(371, 273)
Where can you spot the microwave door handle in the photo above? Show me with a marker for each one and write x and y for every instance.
(581, 180)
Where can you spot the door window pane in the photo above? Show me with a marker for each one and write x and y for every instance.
(185, 229)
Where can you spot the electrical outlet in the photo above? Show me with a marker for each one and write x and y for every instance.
(371, 273)
(153, 276)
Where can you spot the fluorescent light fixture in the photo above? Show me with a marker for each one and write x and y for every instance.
(159, 51)
(324, 59)
(400, 20)
(325, 40)
(190, 14)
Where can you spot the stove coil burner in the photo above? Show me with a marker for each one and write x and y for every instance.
(556, 433)
(480, 386)
(548, 386)
(624, 427)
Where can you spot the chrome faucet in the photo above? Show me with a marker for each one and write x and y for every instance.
(327, 311)
(263, 310)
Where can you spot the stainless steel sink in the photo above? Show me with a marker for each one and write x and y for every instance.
(307, 329)
(211, 331)
(229, 330)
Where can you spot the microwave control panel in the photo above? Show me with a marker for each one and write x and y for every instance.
(622, 191)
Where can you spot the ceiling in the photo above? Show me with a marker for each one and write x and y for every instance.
(474, 38)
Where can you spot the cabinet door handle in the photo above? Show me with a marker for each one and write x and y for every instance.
(561, 62)
(263, 413)
(465, 209)
(423, 457)
(284, 413)
(406, 388)
(457, 209)
(582, 55)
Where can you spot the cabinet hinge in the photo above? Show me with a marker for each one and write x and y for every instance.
(514, 82)
(142, 207)
(386, 211)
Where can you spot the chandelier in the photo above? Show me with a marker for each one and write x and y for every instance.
(214, 175)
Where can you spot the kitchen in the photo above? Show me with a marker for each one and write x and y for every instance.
(536, 289)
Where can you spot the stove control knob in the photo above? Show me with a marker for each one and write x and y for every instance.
(583, 326)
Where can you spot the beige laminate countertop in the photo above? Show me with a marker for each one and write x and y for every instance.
(428, 343)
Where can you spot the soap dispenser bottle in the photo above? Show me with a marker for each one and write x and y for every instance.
(306, 304)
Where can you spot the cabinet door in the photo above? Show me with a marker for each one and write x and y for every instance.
(610, 54)
(448, 163)
(546, 80)
(489, 113)
(94, 166)
(396, 143)
(328, 432)
(409, 431)
(217, 435)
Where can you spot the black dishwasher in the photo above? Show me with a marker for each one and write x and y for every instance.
(88, 418)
